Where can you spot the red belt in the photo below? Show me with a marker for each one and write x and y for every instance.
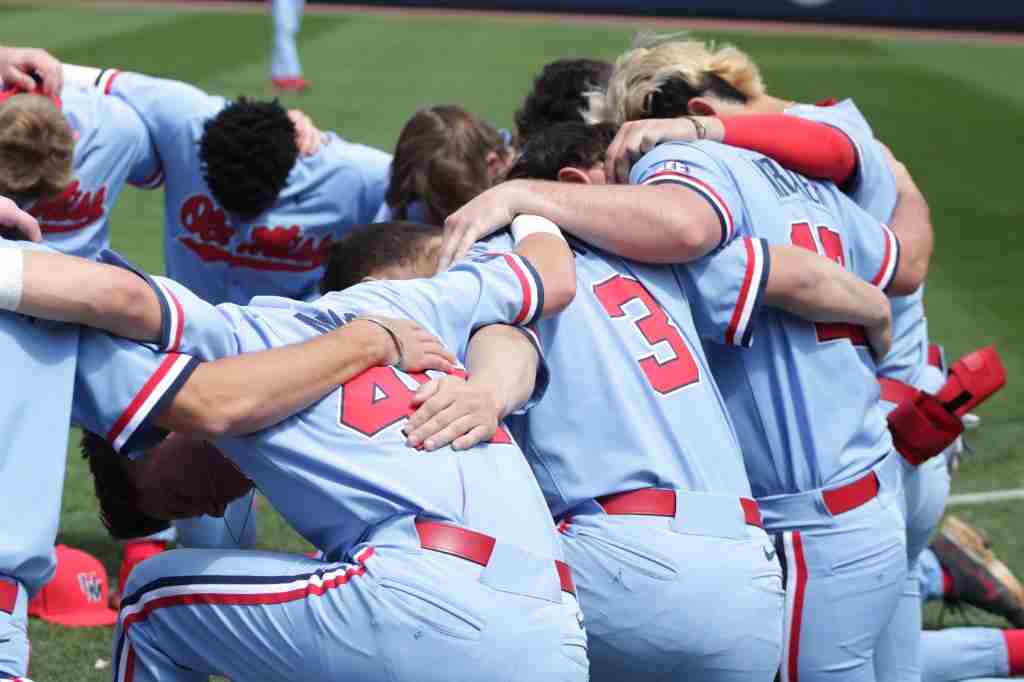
(896, 391)
(8, 595)
(662, 502)
(852, 495)
(472, 546)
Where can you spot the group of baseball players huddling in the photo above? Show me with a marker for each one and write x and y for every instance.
(641, 392)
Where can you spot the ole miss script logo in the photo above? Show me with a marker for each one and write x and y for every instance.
(74, 209)
(277, 248)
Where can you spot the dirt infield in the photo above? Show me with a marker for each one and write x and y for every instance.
(676, 23)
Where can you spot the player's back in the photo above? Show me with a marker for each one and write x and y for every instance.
(282, 251)
(804, 397)
(632, 403)
(345, 461)
(874, 190)
(342, 466)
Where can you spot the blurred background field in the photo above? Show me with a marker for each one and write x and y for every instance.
(949, 109)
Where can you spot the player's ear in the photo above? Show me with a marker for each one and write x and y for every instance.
(702, 106)
(575, 175)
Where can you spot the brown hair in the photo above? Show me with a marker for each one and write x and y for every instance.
(366, 249)
(441, 161)
(37, 148)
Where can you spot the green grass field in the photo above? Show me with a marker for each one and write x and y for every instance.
(950, 110)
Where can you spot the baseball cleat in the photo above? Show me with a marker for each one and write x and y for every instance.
(978, 577)
(294, 84)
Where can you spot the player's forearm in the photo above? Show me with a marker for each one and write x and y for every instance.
(503, 363)
(651, 224)
(553, 260)
(810, 148)
(912, 224)
(246, 393)
(817, 289)
(70, 289)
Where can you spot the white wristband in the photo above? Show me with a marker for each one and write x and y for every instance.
(12, 268)
(524, 225)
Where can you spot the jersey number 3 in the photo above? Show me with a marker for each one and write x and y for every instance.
(829, 245)
(664, 377)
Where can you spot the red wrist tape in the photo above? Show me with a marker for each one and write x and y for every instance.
(972, 380)
(922, 428)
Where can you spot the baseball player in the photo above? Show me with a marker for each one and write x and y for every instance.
(639, 575)
(44, 355)
(285, 67)
(837, 506)
(111, 147)
(39, 362)
(245, 215)
(488, 594)
(725, 81)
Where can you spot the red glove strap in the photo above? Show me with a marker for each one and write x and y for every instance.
(809, 148)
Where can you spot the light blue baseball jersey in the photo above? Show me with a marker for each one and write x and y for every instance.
(634, 404)
(804, 398)
(874, 190)
(342, 465)
(112, 147)
(281, 252)
(38, 370)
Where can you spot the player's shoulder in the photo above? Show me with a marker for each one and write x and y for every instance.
(684, 157)
(844, 114)
(341, 153)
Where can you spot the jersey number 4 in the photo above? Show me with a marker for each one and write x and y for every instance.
(378, 398)
(664, 377)
(830, 245)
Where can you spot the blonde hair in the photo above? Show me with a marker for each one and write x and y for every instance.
(36, 148)
(654, 60)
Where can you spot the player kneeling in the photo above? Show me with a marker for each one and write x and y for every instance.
(439, 566)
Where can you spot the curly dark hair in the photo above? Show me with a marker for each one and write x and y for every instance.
(115, 492)
(366, 248)
(247, 151)
(563, 145)
(558, 94)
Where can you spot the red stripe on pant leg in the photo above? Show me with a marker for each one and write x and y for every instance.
(800, 566)
(231, 599)
(129, 665)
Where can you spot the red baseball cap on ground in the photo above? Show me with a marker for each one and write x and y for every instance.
(77, 594)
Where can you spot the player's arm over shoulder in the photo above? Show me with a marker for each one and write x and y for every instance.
(704, 200)
(164, 105)
(65, 288)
